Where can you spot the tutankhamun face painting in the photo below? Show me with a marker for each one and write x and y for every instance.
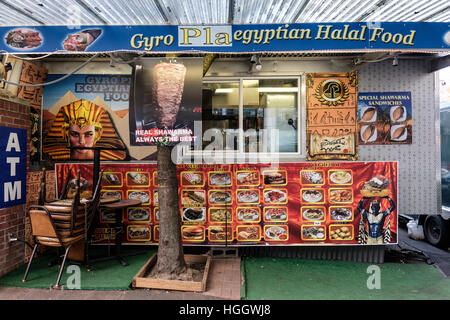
(82, 123)
(82, 128)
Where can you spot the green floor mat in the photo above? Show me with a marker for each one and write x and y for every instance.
(300, 279)
(105, 275)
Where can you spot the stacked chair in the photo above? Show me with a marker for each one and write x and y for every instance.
(64, 225)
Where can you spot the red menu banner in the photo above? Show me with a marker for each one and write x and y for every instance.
(337, 203)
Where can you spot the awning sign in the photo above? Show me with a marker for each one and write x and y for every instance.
(352, 36)
(13, 166)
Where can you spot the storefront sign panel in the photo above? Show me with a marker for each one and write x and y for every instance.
(338, 203)
(229, 38)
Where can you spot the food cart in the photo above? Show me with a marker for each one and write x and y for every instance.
(293, 135)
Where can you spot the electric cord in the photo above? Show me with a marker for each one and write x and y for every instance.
(120, 61)
(31, 59)
(54, 81)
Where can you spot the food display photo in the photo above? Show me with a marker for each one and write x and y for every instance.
(23, 38)
(274, 177)
(219, 179)
(138, 233)
(112, 179)
(156, 233)
(313, 233)
(248, 214)
(248, 178)
(192, 197)
(220, 233)
(192, 179)
(107, 216)
(138, 214)
(276, 233)
(337, 195)
(248, 232)
(194, 215)
(155, 197)
(220, 215)
(247, 196)
(376, 187)
(312, 214)
(143, 196)
(341, 213)
(341, 232)
(220, 197)
(312, 195)
(138, 179)
(166, 95)
(312, 177)
(275, 214)
(193, 233)
(275, 196)
(340, 177)
(111, 194)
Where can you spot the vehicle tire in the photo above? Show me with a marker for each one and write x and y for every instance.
(437, 231)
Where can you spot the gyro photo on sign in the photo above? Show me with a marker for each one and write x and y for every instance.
(81, 40)
(23, 39)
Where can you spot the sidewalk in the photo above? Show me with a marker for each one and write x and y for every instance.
(267, 278)
(8, 293)
(224, 283)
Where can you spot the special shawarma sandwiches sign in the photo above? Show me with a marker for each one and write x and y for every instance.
(385, 118)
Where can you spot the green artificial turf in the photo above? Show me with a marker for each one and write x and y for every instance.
(105, 275)
(301, 279)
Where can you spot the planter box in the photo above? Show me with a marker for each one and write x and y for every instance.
(139, 281)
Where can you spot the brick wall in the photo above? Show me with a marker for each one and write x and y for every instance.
(33, 188)
(12, 219)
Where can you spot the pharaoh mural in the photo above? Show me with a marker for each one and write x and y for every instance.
(83, 124)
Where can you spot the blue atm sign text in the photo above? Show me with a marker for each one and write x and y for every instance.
(13, 166)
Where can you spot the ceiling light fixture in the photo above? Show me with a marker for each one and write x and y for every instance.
(395, 61)
(223, 90)
(255, 62)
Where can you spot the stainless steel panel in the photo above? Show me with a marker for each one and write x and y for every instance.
(418, 162)
(157, 12)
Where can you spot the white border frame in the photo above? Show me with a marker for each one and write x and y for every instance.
(240, 154)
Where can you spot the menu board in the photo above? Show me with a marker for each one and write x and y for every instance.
(248, 204)
(331, 113)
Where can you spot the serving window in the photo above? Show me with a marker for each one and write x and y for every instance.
(252, 116)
